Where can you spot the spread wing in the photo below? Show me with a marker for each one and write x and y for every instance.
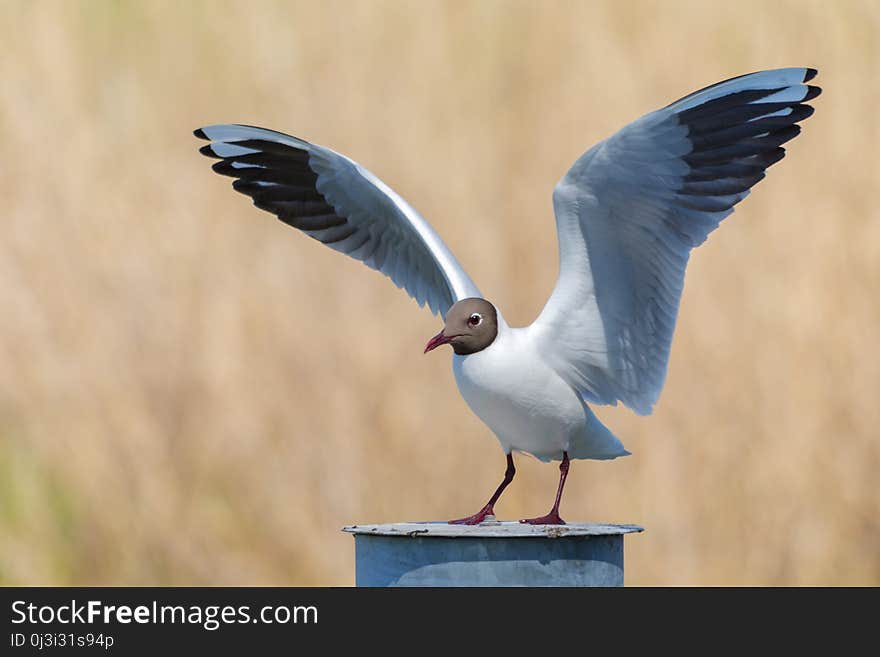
(338, 202)
(630, 210)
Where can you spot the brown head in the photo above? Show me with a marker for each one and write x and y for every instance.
(471, 326)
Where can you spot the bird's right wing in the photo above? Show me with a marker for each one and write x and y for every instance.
(338, 202)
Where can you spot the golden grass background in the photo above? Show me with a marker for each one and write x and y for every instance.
(193, 393)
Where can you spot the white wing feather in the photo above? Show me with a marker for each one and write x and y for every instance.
(630, 210)
(338, 202)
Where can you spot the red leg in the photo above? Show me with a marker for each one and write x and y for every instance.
(553, 518)
(489, 509)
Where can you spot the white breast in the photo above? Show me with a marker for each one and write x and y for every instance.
(525, 403)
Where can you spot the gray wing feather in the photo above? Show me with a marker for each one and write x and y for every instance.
(338, 202)
(631, 209)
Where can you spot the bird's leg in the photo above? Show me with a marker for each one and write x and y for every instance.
(489, 509)
(553, 518)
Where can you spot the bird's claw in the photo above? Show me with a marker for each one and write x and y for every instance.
(475, 519)
(551, 518)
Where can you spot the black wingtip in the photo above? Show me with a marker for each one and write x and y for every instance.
(772, 157)
(804, 111)
(812, 92)
(207, 151)
(810, 74)
(198, 132)
(225, 168)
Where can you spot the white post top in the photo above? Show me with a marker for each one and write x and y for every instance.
(492, 529)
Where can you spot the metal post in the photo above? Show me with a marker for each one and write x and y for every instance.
(489, 554)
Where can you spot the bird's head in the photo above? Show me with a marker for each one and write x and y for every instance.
(471, 326)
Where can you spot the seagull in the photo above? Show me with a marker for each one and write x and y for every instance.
(628, 213)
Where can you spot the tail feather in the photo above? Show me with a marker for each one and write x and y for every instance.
(596, 441)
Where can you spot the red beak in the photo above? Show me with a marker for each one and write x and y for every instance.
(437, 340)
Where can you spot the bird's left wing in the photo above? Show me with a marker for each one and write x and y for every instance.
(630, 210)
(339, 203)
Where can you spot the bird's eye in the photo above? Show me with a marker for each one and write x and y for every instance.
(475, 319)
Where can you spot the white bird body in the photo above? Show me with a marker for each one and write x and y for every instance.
(528, 406)
(628, 214)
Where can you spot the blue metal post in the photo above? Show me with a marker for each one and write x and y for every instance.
(489, 554)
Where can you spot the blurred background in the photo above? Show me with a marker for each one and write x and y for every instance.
(193, 393)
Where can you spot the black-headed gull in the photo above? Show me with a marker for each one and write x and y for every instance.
(628, 213)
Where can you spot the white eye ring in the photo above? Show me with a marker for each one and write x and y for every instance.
(475, 320)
